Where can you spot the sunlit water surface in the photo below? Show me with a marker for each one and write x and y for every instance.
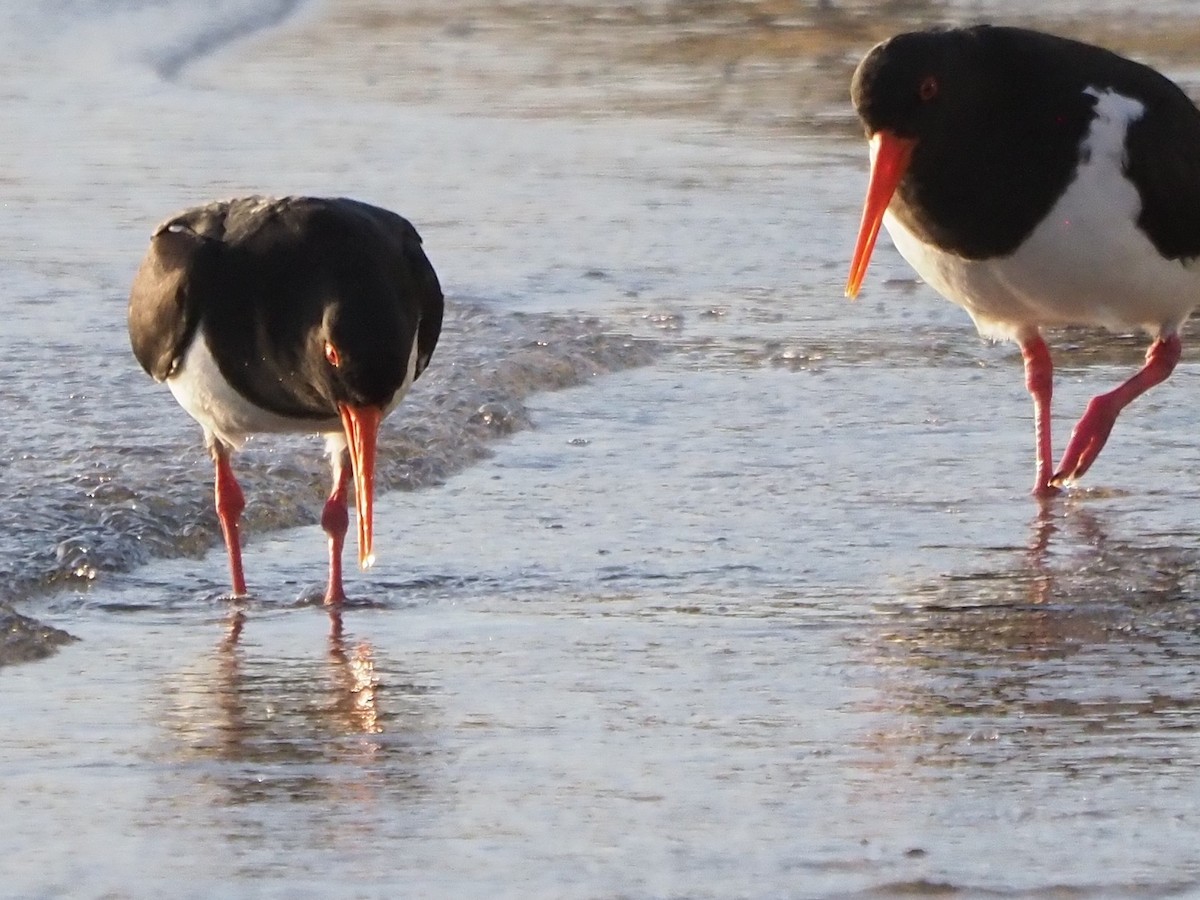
(694, 580)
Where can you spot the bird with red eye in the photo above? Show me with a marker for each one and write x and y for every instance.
(1056, 185)
(331, 355)
(298, 314)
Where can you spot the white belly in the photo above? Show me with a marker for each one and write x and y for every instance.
(1086, 263)
(222, 412)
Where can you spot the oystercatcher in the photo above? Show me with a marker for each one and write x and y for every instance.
(1037, 182)
(297, 314)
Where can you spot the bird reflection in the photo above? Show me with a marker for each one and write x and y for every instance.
(1079, 633)
(236, 621)
(355, 698)
(317, 727)
(1044, 528)
(234, 625)
(1071, 585)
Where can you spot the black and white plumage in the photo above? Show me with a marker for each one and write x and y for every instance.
(1037, 182)
(298, 314)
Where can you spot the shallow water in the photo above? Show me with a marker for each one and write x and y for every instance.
(696, 580)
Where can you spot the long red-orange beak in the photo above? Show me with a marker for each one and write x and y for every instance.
(362, 431)
(890, 156)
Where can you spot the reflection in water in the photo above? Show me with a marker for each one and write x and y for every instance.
(1078, 649)
(237, 621)
(334, 728)
(357, 696)
(1072, 578)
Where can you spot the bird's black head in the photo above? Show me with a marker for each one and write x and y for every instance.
(924, 98)
(361, 355)
(912, 83)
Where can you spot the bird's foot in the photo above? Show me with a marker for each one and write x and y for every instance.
(1045, 489)
(1087, 440)
(229, 598)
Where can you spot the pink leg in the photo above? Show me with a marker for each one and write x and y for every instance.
(1039, 380)
(336, 521)
(1093, 429)
(230, 503)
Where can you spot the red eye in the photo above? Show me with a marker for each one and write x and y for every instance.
(928, 89)
(331, 355)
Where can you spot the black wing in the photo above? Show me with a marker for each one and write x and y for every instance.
(1163, 160)
(431, 298)
(1162, 146)
(162, 316)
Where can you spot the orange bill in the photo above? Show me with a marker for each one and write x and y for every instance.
(890, 156)
(362, 431)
